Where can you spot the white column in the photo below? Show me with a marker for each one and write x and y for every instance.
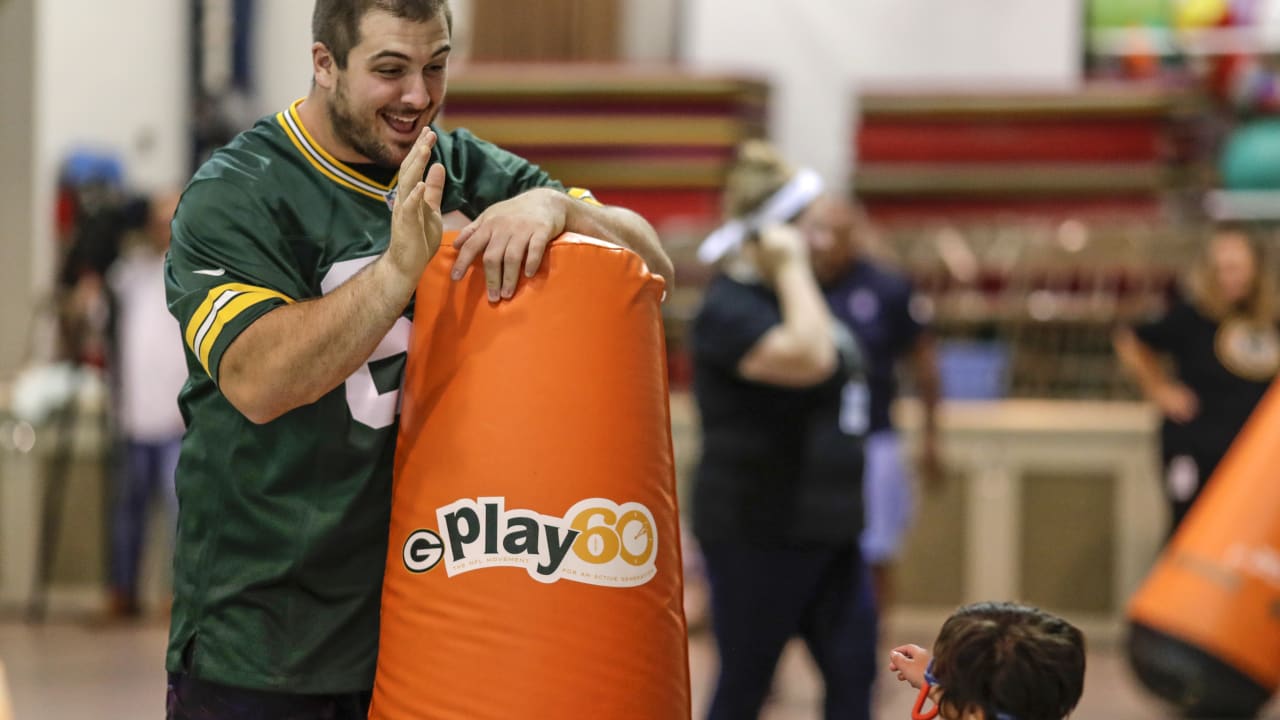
(17, 196)
(1141, 520)
(992, 538)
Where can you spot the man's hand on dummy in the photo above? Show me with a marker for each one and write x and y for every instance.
(511, 234)
(910, 662)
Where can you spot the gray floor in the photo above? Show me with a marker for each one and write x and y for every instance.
(69, 671)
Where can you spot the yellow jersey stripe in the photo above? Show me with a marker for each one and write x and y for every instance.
(201, 315)
(205, 318)
(228, 313)
(585, 196)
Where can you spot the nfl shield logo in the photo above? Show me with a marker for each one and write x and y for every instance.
(391, 199)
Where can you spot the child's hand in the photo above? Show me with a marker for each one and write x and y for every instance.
(910, 662)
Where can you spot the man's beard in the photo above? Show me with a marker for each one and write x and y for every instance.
(360, 136)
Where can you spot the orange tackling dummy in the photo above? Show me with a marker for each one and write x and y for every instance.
(534, 562)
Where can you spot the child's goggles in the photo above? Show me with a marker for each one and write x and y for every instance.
(931, 681)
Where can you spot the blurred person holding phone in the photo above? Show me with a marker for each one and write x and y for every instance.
(777, 499)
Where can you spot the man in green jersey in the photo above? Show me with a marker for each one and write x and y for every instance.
(296, 249)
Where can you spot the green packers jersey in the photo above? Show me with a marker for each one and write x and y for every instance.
(282, 533)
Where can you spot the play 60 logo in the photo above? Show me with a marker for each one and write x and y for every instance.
(597, 542)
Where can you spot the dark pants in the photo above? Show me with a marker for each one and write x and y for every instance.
(147, 473)
(762, 597)
(192, 699)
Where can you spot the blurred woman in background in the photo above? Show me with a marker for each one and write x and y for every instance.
(777, 499)
(1219, 334)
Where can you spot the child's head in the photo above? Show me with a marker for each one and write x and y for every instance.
(1006, 660)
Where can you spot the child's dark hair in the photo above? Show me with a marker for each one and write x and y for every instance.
(1009, 660)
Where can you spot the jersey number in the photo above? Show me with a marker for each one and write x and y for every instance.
(368, 405)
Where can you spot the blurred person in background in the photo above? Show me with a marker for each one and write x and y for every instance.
(777, 497)
(296, 252)
(1219, 334)
(95, 214)
(148, 372)
(875, 303)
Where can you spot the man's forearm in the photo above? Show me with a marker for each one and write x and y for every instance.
(294, 354)
(621, 227)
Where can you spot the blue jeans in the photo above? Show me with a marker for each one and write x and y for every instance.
(762, 597)
(148, 470)
(887, 497)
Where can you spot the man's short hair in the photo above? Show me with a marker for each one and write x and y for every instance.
(336, 23)
(1012, 659)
